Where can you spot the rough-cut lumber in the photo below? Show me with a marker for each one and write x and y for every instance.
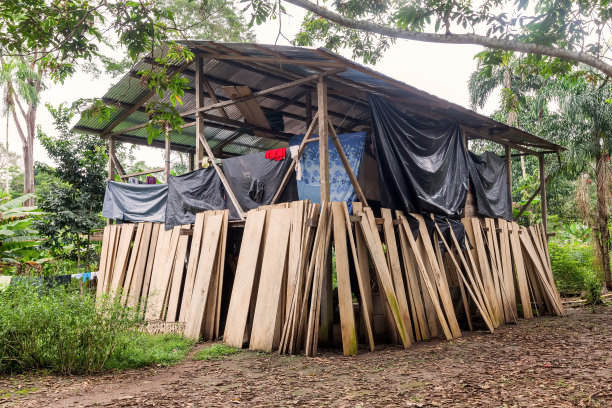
(372, 239)
(102, 272)
(135, 288)
(419, 319)
(244, 280)
(132, 264)
(360, 260)
(396, 270)
(146, 283)
(273, 267)
(506, 267)
(345, 294)
(519, 266)
(123, 252)
(177, 278)
(206, 267)
(192, 264)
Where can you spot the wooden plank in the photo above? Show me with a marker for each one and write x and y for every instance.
(110, 258)
(160, 274)
(295, 244)
(506, 269)
(474, 230)
(177, 278)
(246, 270)
(132, 263)
(410, 272)
(250, 110)
(196, 314)
(541, 274)
(166, 282)
(192, 264)
(396, 270)
(519, 266)
(496, 268)
(155, 233)
(135, 288)
(374, 244)
(323, 140)
(123, 252)
(102, 272)
(360, 260)
(221, 270)
(441, 300)
(473, 290)
(345, 294)
(270, 282)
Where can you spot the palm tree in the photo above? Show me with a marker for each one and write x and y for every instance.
(21, 83)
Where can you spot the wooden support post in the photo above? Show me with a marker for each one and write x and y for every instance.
(543, 195)
(509, 169)
(191, 161)
(308, 108)
(111, 154)
(199, 83)
(167, 157)
(323, 141)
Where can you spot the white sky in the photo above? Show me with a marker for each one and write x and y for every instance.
(442, 70)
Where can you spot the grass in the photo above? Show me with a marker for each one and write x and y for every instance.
(216, 351)
(142, 349)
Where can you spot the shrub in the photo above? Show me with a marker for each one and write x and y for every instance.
(573, 265)
(60, 329)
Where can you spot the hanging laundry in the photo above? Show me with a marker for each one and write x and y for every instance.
(276, 154)
(133, 180)
(151, 180)
(294, 150)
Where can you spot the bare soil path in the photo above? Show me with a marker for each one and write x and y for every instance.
(544, 362)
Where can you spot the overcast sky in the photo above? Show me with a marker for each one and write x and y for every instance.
(442, 70)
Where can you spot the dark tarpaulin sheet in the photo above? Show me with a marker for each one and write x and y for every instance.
(422, 166)
(446, 225)
(191, 193)
(135, 202)
(490, 181)
(255, 180)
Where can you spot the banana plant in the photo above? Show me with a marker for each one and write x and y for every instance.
(18, 240)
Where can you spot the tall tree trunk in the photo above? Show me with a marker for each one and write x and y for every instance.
(8, 164)
(28, 154)
(602, 216)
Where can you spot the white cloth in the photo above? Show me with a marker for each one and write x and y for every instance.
(294, 150)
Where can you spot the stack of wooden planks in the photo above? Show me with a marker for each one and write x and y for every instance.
(306, 272)
(171, 276)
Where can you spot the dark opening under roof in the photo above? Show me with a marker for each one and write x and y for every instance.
(261, 67)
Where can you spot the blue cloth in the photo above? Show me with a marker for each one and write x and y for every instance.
(340, 187)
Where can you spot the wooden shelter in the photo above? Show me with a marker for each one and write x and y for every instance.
(248, 98)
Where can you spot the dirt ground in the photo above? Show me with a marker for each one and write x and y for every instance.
(544, 362)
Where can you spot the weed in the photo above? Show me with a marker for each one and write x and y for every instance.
(142, 349)
(215, 351)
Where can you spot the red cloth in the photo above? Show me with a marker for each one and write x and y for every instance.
(276, 154)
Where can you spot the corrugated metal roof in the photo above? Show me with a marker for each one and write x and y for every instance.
(262, 67)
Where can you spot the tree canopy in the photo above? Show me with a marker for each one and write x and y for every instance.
(575, 31)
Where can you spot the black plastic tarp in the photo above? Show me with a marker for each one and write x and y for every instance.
(135, 202)
(255, 180)
(191, 193)
(490, 181)
(446, 225)
(422, 166)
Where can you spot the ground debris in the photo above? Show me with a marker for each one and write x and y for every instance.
(543, 362)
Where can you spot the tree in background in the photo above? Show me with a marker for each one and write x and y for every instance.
(575, 31)
(43, 41)
(72, 199)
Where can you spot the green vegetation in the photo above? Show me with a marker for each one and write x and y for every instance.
(18, 240)
(141, 349)
(215, 351)
(63, 331)
(573, 266)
